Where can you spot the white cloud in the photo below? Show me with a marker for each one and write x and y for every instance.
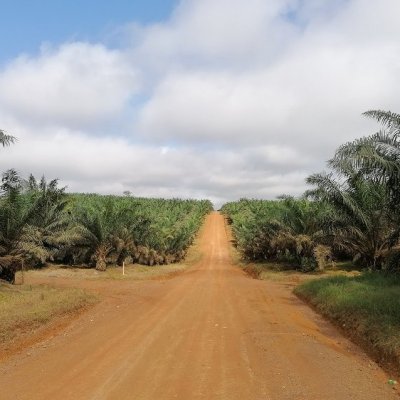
(226, 99)
(108, 165)
(318, 85)
(75, 84)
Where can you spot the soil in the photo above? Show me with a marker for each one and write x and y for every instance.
(211, 332)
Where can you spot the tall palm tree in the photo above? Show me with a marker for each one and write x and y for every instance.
(377, 156)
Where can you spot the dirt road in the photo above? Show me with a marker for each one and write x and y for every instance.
(210, 333)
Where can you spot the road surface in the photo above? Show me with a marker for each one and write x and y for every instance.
(209, 333)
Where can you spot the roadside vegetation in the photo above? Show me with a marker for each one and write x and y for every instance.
(114, 272)
(351, 212)
(25, 308)
(287, 232)
(146, 231)
(40, 223)
(365, 306)
(80, 235)
(350, 215)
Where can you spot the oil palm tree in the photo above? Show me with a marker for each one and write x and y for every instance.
(13, 211)
(48, 225)
(301, 230)
(103, 232)
(377, 156)
(34, 222)
(360, 222)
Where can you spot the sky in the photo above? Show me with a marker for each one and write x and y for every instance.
(217, 99)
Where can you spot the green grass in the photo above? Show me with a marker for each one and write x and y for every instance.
(366, 306)
(25, 308)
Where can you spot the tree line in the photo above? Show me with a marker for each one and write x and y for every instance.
(40, 223)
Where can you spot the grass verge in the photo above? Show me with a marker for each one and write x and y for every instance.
(367, 307)
(273, 271)
(26, 308)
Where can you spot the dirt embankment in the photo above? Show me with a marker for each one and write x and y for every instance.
(209, 333)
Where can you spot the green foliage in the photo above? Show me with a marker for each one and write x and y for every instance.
(286, 230)
(13, 211)
(363, 191)
(48, 227)
(41, 223)
(352, 211)
(376, 157)
(366, 305)
(361, 223)
(150, 231)
(33, 220)
(392, 261)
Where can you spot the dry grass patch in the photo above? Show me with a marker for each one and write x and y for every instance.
(132, 271)
(25, 308)
(280, 272)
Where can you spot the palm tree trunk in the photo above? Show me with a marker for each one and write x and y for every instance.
(100, 257)
(101, 264)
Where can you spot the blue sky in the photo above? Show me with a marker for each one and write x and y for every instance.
(26, 24)
(217, 99)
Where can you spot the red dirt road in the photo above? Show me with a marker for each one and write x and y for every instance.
(210, 333)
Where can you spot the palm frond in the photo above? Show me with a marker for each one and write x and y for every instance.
(386, 118)
(5, 139)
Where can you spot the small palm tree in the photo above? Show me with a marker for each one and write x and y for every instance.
(48, 227)
(34, 222)
(360, 223)
(102, 233)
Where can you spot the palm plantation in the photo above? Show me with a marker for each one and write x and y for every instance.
(350, 212)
